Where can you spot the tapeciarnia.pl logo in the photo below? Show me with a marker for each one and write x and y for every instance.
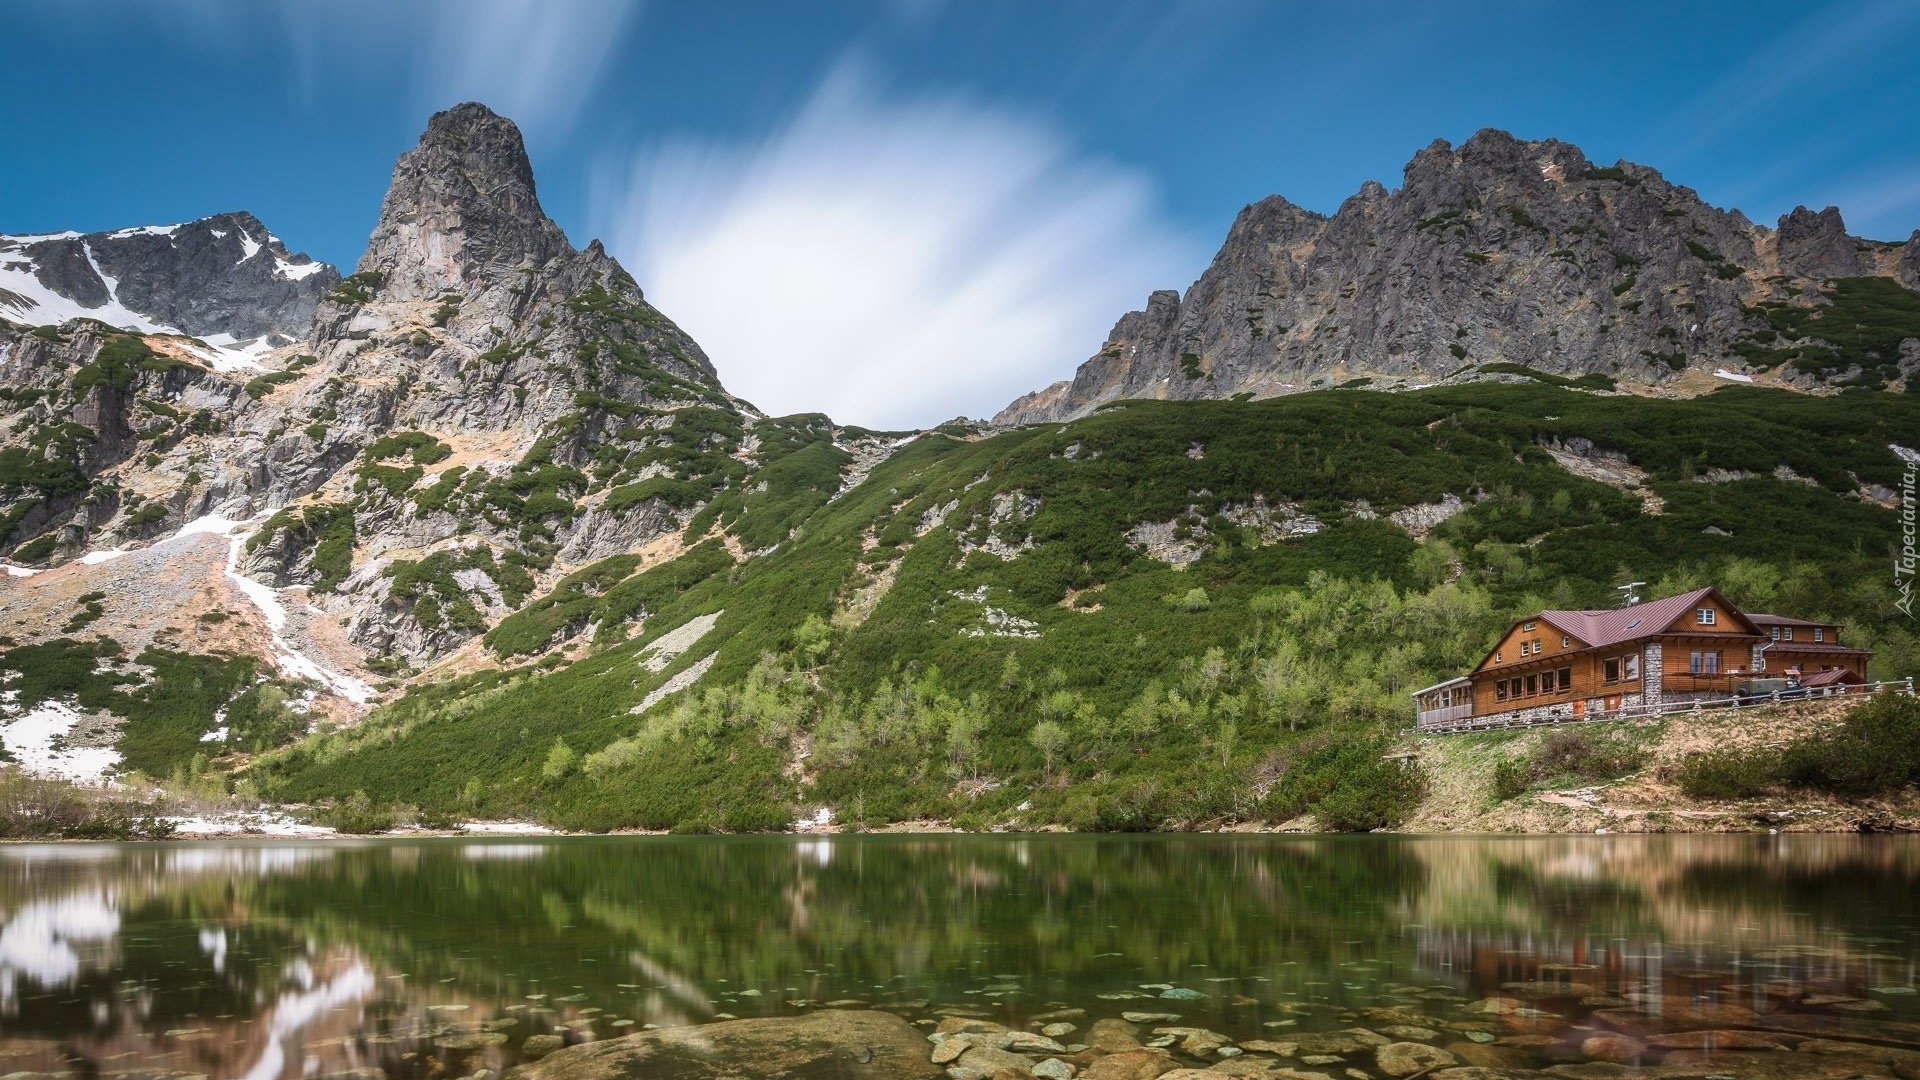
(1904, 563)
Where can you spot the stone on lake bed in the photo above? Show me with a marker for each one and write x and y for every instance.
(1149, 1017)
(1622, 1049)
(1408, 1031)
(845, 1045)
(1181, 993)
(1054, 1031)
(1407, 1058)
(539, 1046)
(1057, 1015)
(1128, 1065)
(1053, 1069)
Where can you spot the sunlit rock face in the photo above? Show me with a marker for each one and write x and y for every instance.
(1500, 250)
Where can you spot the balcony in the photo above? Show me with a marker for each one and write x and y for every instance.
(1687, 682)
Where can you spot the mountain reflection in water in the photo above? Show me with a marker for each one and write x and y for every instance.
(424, 958)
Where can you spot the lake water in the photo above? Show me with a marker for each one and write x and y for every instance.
(440, 957)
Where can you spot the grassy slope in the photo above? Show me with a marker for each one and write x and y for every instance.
(1173, 695)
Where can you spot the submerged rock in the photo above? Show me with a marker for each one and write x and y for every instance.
(826, 1045)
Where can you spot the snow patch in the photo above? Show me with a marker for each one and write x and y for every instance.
(251, 822)
(145, 230)
(1723, 373)
(289, 659)
(296, 271)
(249, 245)
(506, 828)
(20, 571)
(36, 738)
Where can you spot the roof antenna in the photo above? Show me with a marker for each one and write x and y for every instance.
(1628, 595)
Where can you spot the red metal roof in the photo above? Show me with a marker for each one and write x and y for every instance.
(1617, 625)
(1781, 620)
(1830, 677)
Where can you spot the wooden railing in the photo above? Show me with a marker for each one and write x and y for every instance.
(1505, 721)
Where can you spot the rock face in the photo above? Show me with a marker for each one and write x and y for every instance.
(222, 275)
(447, 424)
(1498, 251)
(825, 1045)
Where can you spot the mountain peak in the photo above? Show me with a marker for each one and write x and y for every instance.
(461, 210)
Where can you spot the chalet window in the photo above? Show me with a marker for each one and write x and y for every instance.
(1497, 658)
(1819, 634)
(1536, 647)
(1705, 662)
(1548, 680)
(1526, 648)
(1630, 666)
(1566, 678)
(1612, 667)
(1500, 690)
(1703, 616)
(1565, 641)
(1533, 685)
(1527, 627)
(1786, 634)
(1518, 686)
(1776, 633)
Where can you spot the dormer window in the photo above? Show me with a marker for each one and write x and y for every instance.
(1703, 616)
(1526, 626)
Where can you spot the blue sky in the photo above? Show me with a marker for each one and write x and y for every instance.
(898, 212)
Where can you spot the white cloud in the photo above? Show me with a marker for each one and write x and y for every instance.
(890, 263)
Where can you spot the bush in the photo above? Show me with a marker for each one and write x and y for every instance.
(1876, 751)
(1348, 786)
(34, 809)
(356, 814)
(1728, 774)
(1512, 778)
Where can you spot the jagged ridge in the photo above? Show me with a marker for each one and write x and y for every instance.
(1500, 251)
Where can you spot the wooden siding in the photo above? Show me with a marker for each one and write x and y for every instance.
(1586, 669)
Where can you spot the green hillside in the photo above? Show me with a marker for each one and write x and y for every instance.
(970, 634)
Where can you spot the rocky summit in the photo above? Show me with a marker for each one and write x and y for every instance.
(1500, 252)
(224, 279)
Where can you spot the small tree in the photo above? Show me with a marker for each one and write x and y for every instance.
(1049, 738)
(560, 760)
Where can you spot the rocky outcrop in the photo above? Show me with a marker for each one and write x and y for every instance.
(1498, 251)
(1908, 268)
(1817, 245)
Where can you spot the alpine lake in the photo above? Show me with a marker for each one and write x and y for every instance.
(974, 957)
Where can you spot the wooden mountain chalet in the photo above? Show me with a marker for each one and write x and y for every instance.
(1568, 665)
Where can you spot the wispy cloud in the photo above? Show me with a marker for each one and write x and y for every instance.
(890, 262)
(536, 61)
